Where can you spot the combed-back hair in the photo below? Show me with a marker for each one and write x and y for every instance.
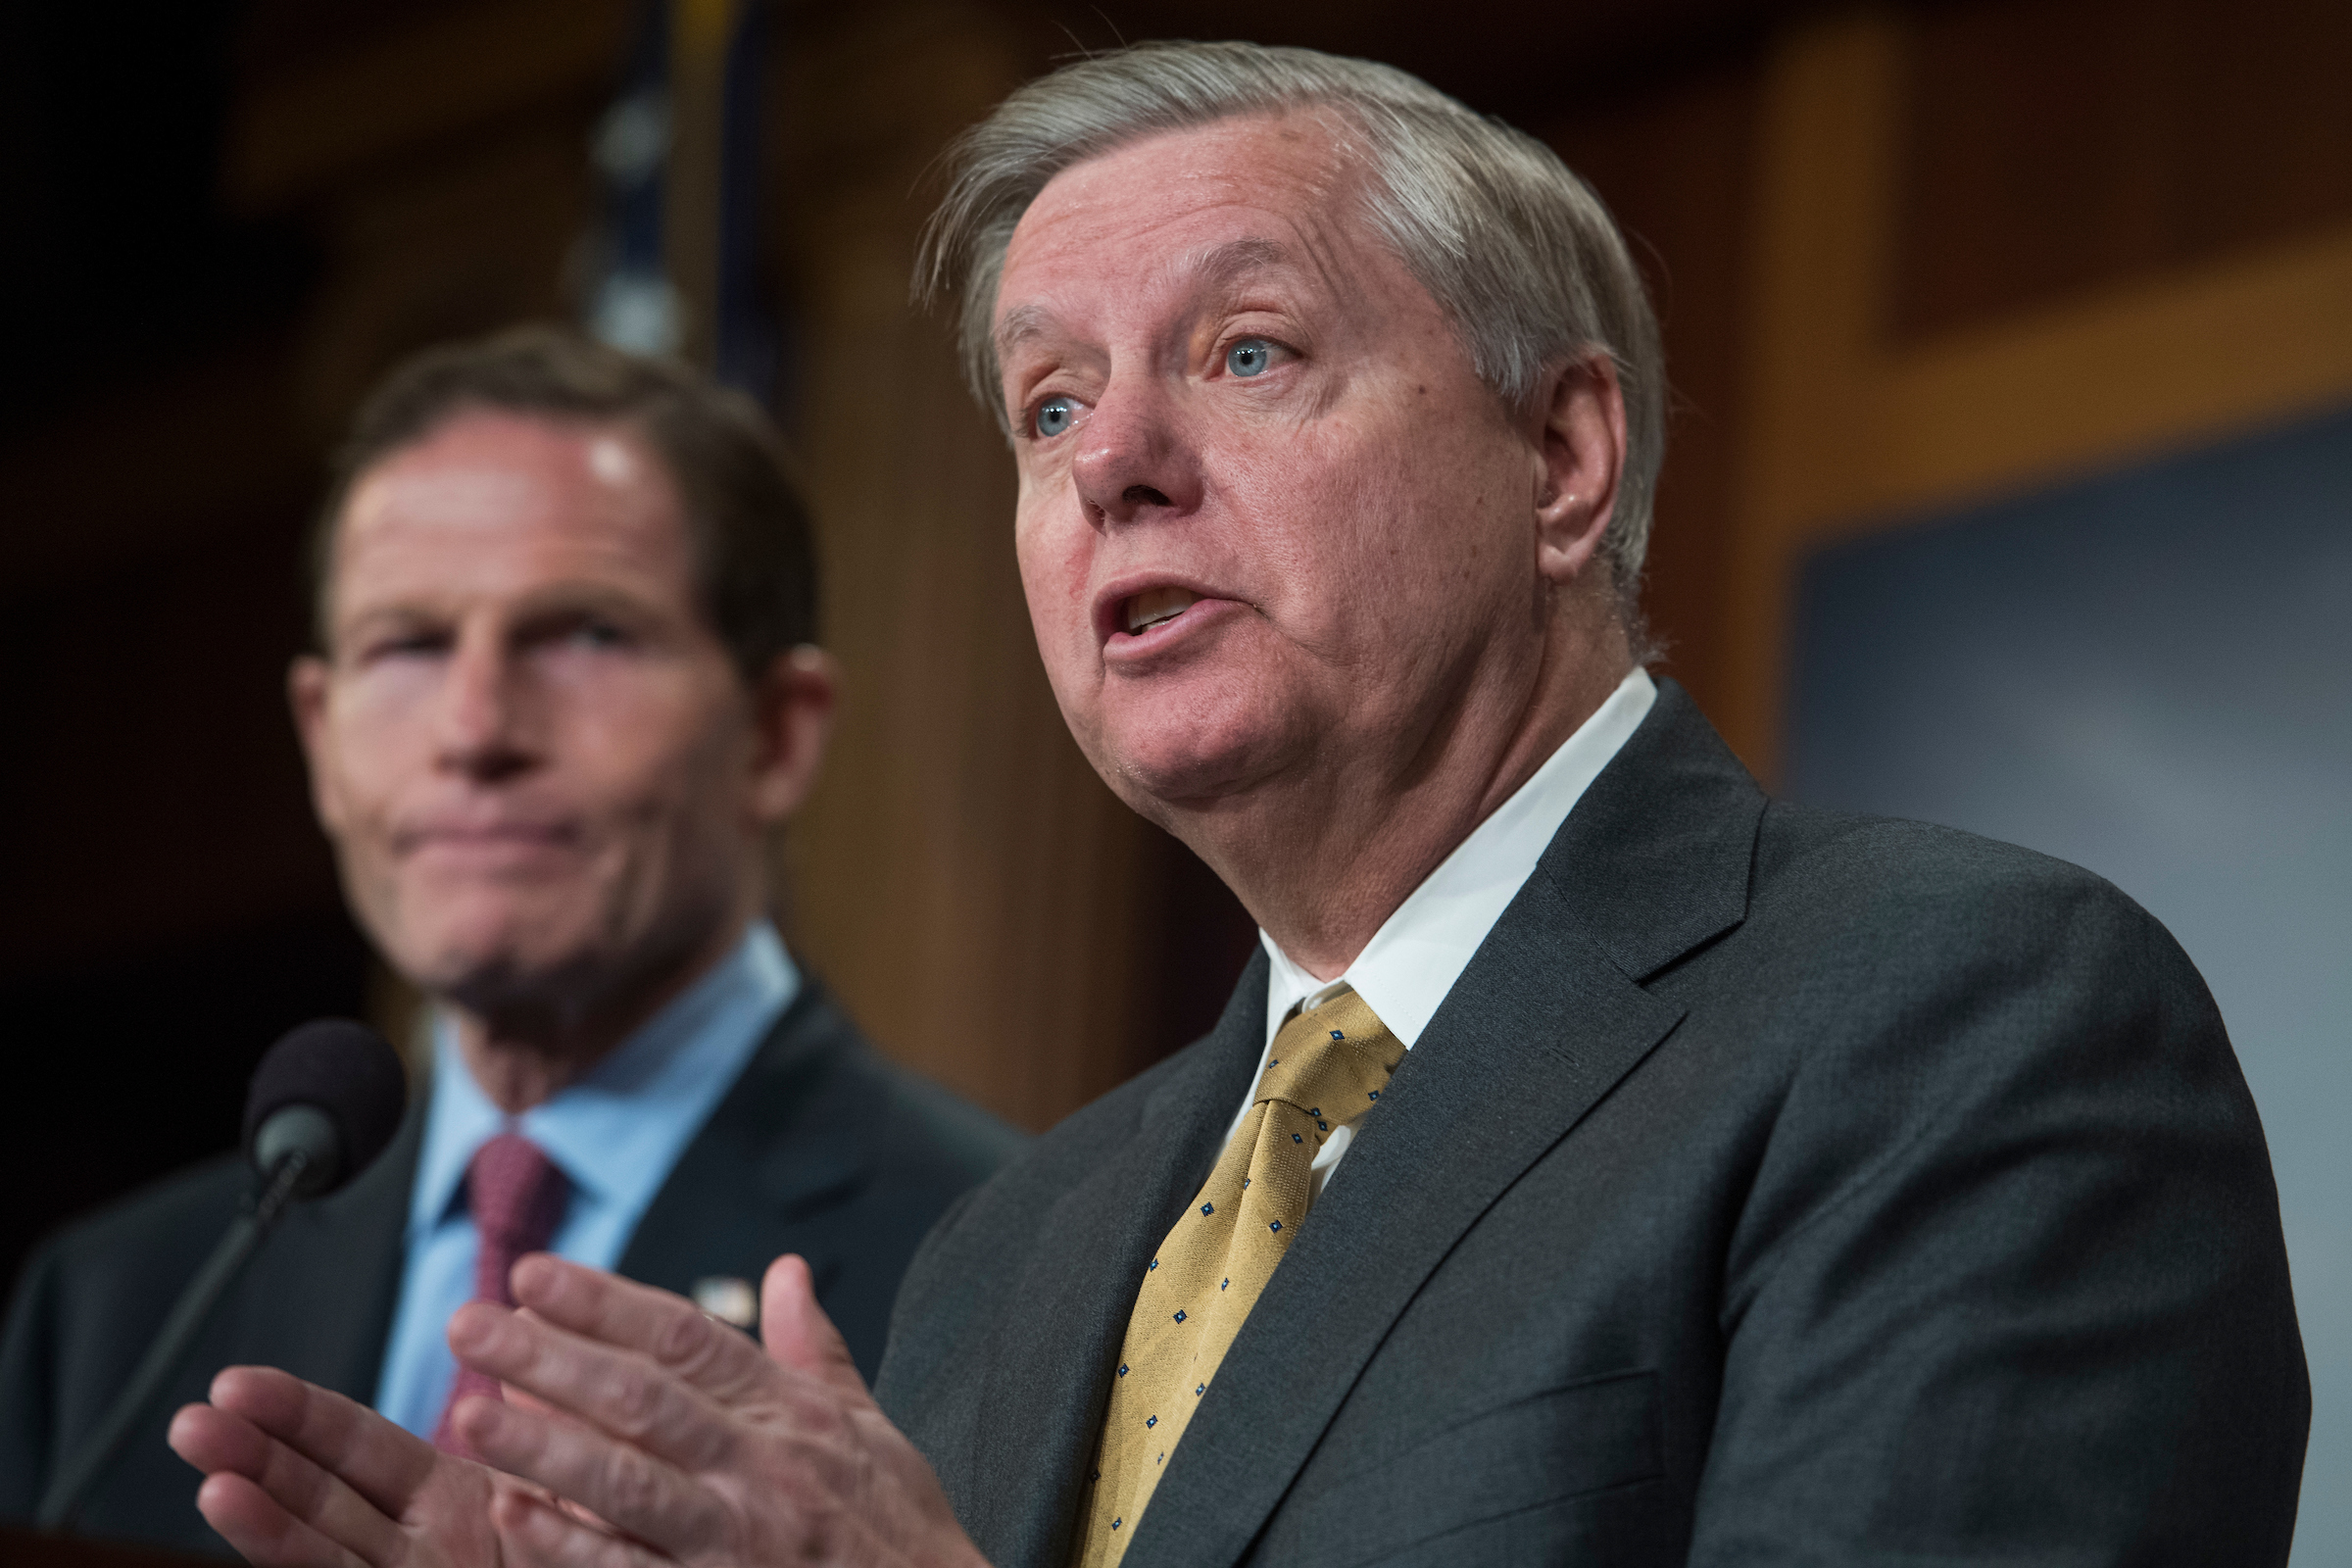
(747, 519)
(1510, 243)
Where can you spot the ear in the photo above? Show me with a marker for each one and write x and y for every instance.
(793, 712)
(1579, 432)
(306, 693)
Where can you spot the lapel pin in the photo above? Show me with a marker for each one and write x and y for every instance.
(728, 1300)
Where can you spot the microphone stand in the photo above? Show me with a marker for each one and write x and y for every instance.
(70, 1489)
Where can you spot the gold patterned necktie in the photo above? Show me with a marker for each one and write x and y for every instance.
(1326, 1069)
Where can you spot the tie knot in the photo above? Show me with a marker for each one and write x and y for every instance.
(1333, 1060)
(515, 1193)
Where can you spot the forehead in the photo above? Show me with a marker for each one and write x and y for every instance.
(1170, 204)
(495, 499)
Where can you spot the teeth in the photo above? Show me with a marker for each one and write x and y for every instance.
(1151, 607)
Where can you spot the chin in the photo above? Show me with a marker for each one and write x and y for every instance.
(485, 965)
(1175, 762)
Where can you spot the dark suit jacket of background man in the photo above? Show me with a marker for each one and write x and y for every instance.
(820, 1148)
(1773, 1187)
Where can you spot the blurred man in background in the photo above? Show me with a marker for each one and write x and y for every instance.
(566, 690)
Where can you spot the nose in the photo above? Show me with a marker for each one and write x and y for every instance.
(480, 721)
(1135, 461)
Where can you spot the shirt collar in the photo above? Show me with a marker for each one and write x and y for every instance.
(618, 1131)
(1420, 951)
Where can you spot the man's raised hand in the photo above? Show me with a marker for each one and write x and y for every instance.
(694, 1445)
(297, 1477)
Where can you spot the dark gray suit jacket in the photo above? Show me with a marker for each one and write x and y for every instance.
(1773, 1187)
(822, 1147)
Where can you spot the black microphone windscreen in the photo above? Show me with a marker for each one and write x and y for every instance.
(346, 1070)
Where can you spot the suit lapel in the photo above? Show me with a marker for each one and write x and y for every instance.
(1049, 1370)
(1487, 1090)
(768, 1156)
(1547, 1019)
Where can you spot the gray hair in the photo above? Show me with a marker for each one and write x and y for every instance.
(1510, 243)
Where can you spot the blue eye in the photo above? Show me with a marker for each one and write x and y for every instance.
(1054, 415)
(1251, 355)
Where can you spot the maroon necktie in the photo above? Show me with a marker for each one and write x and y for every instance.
(516, 1196)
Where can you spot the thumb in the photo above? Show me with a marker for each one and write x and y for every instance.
(795, 1331)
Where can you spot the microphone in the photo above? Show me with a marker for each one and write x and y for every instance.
(323, 1104)
(330, 1094)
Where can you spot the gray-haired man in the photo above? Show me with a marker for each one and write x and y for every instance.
(1723, 1182)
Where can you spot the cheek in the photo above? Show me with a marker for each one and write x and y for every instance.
(648, 752)
(1055, 557)
(1398, 553)
(636, 745)
(1441, 525)
(376, 745)
(1317, 527)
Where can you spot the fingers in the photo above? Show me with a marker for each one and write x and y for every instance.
(669, 1329)
(622, 1483)
(262, 1532)
(213, 1440)
(537, 1535)
(798, 1333)
(378, 1460)
(274, 1504)
(672, 1429)
(522, 1399)
(617, 1390)
(639, 1363)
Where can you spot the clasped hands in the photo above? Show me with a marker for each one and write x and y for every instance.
(636, 1432)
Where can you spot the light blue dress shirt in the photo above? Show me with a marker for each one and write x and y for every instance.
(616, 1134)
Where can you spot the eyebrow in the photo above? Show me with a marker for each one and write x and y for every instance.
(548, 602)
(1225, 264)
(1021, 324)
(1219, 268)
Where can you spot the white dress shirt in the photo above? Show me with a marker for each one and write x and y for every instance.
(1420, 951)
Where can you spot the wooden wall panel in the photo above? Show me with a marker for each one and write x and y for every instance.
(1852, 424)
(439, 248)
(2060, 146)
(962, 878)
(1672, 161)
(310, 118)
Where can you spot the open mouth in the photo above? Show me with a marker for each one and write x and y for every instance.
(1155, 606)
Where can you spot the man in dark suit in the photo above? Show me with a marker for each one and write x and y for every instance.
(565, 690)
(1600, 1163)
